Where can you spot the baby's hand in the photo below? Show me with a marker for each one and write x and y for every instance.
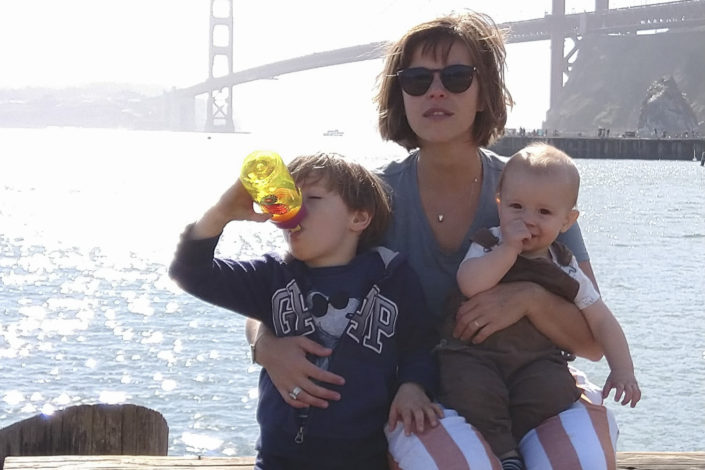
(623, 382)
(514, 233)
(412, 407)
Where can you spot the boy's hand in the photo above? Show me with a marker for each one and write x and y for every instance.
(623, 382)
(412, 407)
(234, 204)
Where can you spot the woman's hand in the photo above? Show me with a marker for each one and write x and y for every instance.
(286, 363)
(506, 303)
(413, 408)
(492, 310)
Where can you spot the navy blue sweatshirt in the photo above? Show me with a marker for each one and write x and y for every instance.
(386, 340)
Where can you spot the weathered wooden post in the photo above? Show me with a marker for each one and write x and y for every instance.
(88, 430)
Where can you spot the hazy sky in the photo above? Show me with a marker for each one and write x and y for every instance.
(165, 42)
(60, 43)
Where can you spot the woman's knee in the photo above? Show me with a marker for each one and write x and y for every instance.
(583, 437)
(449, 445)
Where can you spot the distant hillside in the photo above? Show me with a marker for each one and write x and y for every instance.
(97, 105)
(612, 74)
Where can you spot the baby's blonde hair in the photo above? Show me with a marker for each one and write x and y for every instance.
(545, 159)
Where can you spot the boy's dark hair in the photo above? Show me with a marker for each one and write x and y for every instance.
(358, 187)
(484, 40)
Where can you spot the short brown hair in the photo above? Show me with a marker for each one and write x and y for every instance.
(484, 40)
(359, 188)
(542, 158)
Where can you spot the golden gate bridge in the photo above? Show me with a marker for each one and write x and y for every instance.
(556, 27)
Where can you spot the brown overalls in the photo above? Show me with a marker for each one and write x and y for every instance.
(516, 378)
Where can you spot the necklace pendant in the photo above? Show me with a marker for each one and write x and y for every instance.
(440, 217)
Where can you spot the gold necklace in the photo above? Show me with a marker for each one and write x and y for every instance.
(440, 217)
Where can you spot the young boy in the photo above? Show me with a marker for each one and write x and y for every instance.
(517, 378)
(335, 287)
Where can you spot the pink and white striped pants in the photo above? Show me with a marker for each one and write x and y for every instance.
(583, 437)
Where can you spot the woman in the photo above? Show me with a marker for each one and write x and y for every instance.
(442, 92)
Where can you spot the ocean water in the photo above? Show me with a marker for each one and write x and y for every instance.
(89, 220)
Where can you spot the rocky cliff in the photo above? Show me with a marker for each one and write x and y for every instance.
(666, 108)
(613, 79)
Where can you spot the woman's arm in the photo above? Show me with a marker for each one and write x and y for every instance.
(503, 305)
(563, 323)
(285, 361)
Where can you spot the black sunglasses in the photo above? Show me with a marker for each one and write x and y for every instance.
(416, 81)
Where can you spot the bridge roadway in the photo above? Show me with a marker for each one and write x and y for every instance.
(674, 15)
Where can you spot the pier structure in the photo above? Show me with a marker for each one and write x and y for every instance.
(609, 147)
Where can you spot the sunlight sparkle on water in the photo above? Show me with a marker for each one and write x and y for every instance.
(28, 408)
(154, 337)
(142, 306)
(13, 397)
(112, 397)
(126, 334)
(64, 326)
(33, 311)
(63, 399)
(252, 394)
(168, 385)
(167, 356)
(200, 441)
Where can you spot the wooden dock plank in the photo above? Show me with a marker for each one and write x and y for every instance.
(625, 461)
(660, 460)
(126, 462)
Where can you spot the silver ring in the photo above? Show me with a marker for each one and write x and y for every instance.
(295, 393)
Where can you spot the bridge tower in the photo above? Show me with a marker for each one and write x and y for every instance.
(560, 61)
(557, 49)
(219, 111)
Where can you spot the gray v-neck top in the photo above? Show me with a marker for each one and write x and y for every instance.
(411, 234)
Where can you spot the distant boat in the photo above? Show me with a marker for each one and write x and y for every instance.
(333, 133)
